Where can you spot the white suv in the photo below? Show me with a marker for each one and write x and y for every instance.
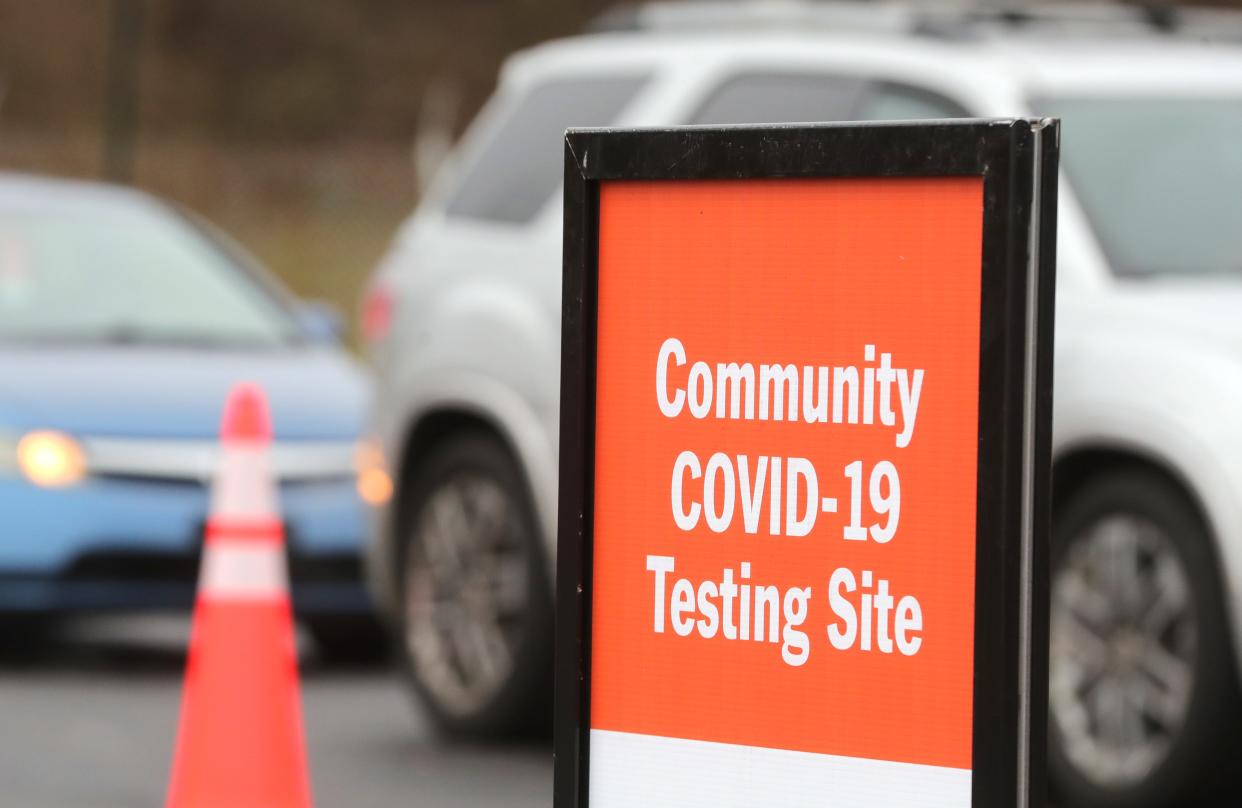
(1147, 579)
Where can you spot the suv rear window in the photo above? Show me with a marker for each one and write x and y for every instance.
(520, 168)
(758, 98)
(780, 98)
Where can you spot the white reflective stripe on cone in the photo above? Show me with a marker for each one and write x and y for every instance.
(243, 485)
(243, 570)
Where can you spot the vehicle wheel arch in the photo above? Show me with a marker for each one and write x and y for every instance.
(432, 428)
(1073, 466)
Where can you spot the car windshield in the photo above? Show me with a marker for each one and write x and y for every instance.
(1160, 179)
(126, 272)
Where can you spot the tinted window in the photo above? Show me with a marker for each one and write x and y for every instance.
(802, 98)
(895, 102)
(126, 273)
(1160, 179)
(521, 167)
(777, 98)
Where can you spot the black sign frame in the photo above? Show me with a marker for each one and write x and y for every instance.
(1018, 161)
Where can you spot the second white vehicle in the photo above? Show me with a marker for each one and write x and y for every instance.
(1147, 581)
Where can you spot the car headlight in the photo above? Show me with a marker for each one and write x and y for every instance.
(50, 459)
(374, 481)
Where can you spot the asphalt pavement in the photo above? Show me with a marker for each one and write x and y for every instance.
(88, 719)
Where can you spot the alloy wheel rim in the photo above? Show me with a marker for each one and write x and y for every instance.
(1124, 638)
(466, 591)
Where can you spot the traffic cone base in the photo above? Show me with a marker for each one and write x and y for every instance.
(249, 754)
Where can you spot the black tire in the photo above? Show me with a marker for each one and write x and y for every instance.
(520, 701)
(1197, 756)
(349, 640)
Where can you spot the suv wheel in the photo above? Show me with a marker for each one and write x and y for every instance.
(476, 613)
(1142, 696)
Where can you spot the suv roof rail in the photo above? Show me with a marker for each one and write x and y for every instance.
(947, 18)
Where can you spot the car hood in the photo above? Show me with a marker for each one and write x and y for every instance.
(315, 393)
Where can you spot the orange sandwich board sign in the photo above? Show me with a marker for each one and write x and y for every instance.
(806, 389)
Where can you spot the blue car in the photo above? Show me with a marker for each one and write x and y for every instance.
(123, 324)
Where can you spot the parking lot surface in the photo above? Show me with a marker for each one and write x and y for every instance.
(90, 717)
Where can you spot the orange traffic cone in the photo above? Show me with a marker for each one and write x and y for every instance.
(240, 743)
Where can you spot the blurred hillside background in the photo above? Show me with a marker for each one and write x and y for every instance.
(293, 124)
(290, 123)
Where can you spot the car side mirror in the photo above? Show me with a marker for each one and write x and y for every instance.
(321, 321)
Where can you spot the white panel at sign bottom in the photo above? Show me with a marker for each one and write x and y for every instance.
(629, 770)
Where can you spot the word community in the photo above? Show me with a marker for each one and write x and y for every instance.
(870, 394)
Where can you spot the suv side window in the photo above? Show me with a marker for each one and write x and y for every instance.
(520, 168)
(780, 98)
(885, 101)
(805, 97)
